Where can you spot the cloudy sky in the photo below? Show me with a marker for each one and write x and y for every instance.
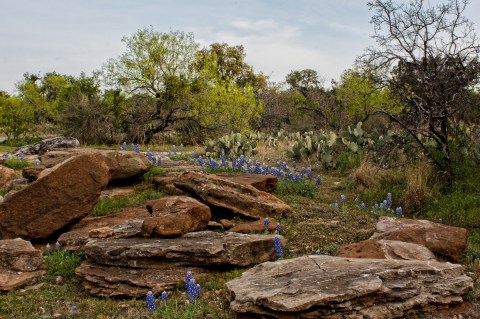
(70, 36)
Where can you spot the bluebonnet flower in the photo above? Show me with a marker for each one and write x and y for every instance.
(309, 173)
(399, 211)
(356, 200)
(389, 200)
(303, 170)
(277, 245)
(22, 157)
(192, 155)
(188, 276)
(181, 148)
(317, 252)
(57, 245)
(74, 308)
(137, 148)
(343, 198)
(335, 204)
(363, 206)
(124, 146)
(200, 161)
(193, 290)
(375, 207)
(154, 160)
(151, 304)
(132, 147)
(241, 161)
(174, 148)
(266, 223)
(440, 221)
(223, 157)
(6, 155)
(213, 163)
(278, 228)
(318, 180)
(37, 162)
(48, 247)
(159, 161)
(164, 296)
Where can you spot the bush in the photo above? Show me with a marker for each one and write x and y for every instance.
(16, 163)
(62, 263)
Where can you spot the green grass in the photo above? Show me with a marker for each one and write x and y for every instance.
(180, 157)
(289, 187)
(152, 172)
(115, 204)
(14, 163)
(62, 263)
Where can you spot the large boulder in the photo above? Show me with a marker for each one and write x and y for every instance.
(48, 144)
(174, 216)
(227, 195)
(65, 195)
(340, 288)
(20, 262)
(386, 249)
(109, 281)
(444, 240)
(264, 183)
(204, 248)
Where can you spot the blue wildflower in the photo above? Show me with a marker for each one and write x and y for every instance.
(343, 198)
(192, 155)
(174, 148)
(164, 296)
(399, 211)
(193, 290)
(132, 147)
(48, 247)
(151, 304)
(124, 146)
(317, 252)
(277, 245)
(74, 308)
(309, 173)
(266, 223)
(278, 228)
(318, 180)
(335, 204)
(57, 245)
(181, 148)
(362, 206)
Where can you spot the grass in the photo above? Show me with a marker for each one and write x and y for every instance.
(16, 163)
(62, 263)
(106, 206)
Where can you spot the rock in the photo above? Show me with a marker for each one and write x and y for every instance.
(444, 240)
(102, 232)
(130, 213)
(174, 216)
(264, 183)
(108, 281)
(240, 199)
(213, 225)
(255, 226)
(19, 255)
(48, 144)
(336, 287)
(20, 262)
(164, 184)
(67, 194)
(7, 175)
(32, 173)
(227, 223)
(204, 248)
(386, 249)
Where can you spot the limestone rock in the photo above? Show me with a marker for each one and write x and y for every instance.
(110, 281)
(204, 248)
(10, 280)
(255, 226)
(19, 255)
(48, 144)
(240, 199)
(68, 193)
(340, 288)
(264, 183)
(165, 185)
(441, 239)
(174, 216)
(386, 249)
(7, 175)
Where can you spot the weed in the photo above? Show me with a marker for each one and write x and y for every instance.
(417, 193)
(365, 174)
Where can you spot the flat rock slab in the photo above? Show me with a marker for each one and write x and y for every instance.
(19, 255)
(205, 248)
(111, 281)
(10, 280)
(441, 239)
(241, 199)
(386, 249)
(337, 288)
(264, 183)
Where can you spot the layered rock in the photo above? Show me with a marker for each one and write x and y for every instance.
(48, 144)
(20, 262)
(386, 249)
(264, 183)
(204, 248)
(336, 287)
(441, 239)
(255, 226)
(240, 199)
(174, 216)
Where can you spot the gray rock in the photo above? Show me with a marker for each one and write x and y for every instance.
(204, 248)
(337, 288)
(48, 144)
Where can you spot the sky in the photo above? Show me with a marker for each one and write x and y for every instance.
(70, 37)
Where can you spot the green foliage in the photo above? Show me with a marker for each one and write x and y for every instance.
(289, 187)
(62, 263)
(16, 117)
(115, 204)
(16, 163)
(180, 157)
(153, 171)
(234, 144)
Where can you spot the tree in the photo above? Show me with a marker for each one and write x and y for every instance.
(16, 117)
(159, 66)
(429, 58)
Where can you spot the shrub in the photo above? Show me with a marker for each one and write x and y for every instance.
(417, 193)
(62, 263)
(366, 174)
(16, 163)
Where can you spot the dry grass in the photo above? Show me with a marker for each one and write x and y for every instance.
(366, 174)
(417, 192)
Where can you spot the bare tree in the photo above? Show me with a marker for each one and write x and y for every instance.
(429, 57)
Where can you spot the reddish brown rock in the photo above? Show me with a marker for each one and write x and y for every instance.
(255, 226)
(227, 223)
(164, 184)
(10, 280)
(386, 249)
(7, 175)
(441, 239)
(65, 195)
(240, 199)
(264, 183)
(108, 281)
(32, 173)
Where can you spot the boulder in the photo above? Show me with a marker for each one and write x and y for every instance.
(164, 184)
(444, 240)
(20, 262)
(32, 173)
(227, 195)
(386, 249)
(255, 226)
(65, 195)
(174, 216)
(7, 175)
(337, 287)
(110, 281)
(264, 183)
(48, 144)
(204, 248)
